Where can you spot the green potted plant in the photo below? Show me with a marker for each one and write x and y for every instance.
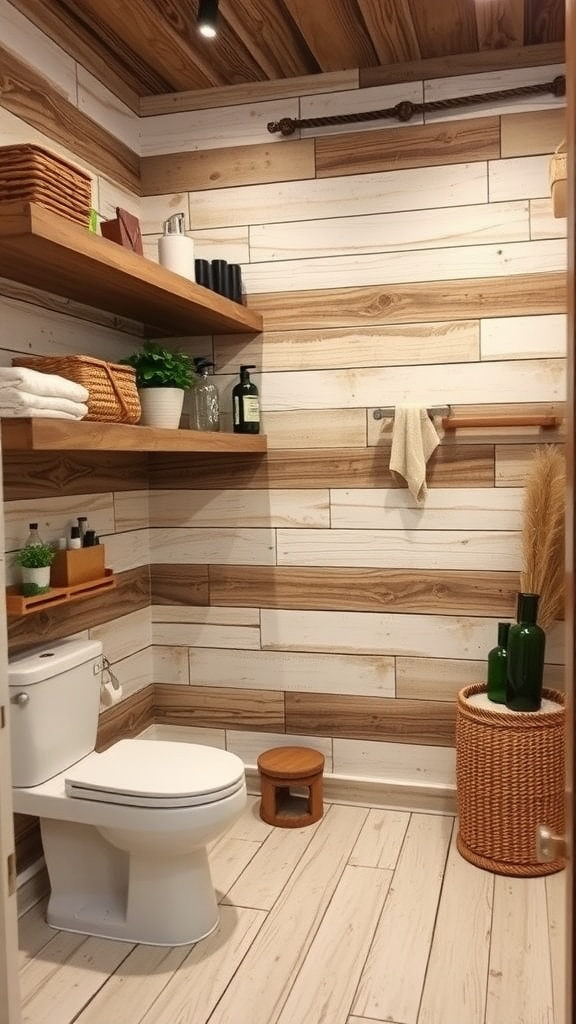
(162, 377)
(35, 561)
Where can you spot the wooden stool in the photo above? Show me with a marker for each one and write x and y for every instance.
(279, 769)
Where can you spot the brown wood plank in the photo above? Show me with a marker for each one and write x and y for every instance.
(533, 132)
(544, 21)
(389, 720)
(179, 584)
(391, 29)
(422, 145)
(219, 707)
(415, 591)
(126, 719)
(69, 32)
(269, 34)
(227, 167)
(450, 466)
(499, 24)
(333, 33)
(31, 97)
(131, 593)
(28, 841)
(443, 29)
(463, 64)
(45, 475)
(366, 305)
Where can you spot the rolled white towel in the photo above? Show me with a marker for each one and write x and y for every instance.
(21, 401)
(50, 385)
(53, 414)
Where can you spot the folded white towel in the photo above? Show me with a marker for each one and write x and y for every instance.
(21, 401)
(48, 384)
(414, 438)
(53, 414)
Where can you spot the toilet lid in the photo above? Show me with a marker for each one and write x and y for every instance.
(156, 773)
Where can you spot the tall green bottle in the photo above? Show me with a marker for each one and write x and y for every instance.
(526, 643)
(497, 666)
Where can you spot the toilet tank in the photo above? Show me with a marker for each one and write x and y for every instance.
(54, 704)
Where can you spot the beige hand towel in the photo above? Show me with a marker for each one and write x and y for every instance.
(414, 438)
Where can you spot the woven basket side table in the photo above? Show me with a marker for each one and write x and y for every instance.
(510, 778)
(285, 767)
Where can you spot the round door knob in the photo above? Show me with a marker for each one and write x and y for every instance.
(21, 699)
(549, 846)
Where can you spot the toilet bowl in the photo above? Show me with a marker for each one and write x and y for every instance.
(124, 831)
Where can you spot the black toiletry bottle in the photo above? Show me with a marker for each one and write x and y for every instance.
(246, 404)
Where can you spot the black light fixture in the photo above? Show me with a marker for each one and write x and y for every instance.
(208, 18)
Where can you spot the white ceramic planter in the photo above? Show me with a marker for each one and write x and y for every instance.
(161, 407)
(35, 581)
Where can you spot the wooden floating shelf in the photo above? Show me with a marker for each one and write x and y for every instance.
(34, 435)
(17, 604)
(43, 250)
(456, 422)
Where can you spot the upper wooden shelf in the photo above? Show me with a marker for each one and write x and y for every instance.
(41, 249)
(36, 435)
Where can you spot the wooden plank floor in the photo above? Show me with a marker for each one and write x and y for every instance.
(370, 915)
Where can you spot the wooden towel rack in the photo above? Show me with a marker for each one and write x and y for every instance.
(546, 422)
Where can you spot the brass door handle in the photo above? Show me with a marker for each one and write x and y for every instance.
(549, 846)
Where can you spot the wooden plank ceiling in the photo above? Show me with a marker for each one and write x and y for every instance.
(152, 46)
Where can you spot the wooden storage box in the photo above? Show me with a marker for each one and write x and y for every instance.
(37, 175)
(78, 565)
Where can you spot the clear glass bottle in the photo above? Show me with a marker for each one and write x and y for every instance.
(497, 666)
(33, 537)
(205, 400)
(526, 644)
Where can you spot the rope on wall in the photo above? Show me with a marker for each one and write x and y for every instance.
(406, 110)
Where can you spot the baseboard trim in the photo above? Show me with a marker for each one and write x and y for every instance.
(33, 884)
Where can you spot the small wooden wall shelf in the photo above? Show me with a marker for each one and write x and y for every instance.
(456, 422)
(41, 249)
(32, 435)
(17, 604)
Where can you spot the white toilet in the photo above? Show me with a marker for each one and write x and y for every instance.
(125, 831)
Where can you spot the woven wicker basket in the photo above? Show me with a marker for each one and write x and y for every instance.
(36, 175)
(510, 779)
(111, 387)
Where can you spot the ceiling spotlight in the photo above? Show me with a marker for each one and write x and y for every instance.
(208, 18)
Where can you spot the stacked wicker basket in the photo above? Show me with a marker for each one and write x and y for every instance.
(33, 174)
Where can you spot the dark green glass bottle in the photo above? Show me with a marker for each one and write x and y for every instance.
(497, 666)
(526, 643)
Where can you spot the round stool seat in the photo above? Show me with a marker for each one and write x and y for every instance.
(281, 767)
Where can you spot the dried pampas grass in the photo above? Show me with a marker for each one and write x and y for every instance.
(543, 570)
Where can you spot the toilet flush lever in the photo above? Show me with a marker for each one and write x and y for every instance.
(21, 699)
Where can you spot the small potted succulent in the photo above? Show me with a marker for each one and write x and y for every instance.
(162, 377)
(35, 561)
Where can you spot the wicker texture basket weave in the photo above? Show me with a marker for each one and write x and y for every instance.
(113, 396)
(510, 779)
(33, 174)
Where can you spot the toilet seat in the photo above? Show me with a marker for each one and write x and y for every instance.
(156, 774)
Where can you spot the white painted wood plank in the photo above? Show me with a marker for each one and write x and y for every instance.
(519, 980)
(124, 635)
(134, 986)
(97, 102)
(493, 81)
(185, 734)
(523, 337)
(543, 223)
(454, 341)
(307, 673)
(229, 244)
(557, 906)
(196, 634)
(412, 764)
(212, 546)
(205, 615)
(262, 881)
(524, 380)
(249, 745)
(455, 987)
(387, 232)
(111, 195)
(228, 860)
(523, 177)
(420, 188)
(473, 508)
(170, 665)
(127, 550)
(401, 549)
(380, 840)
(441, 679)
(257, 993)
(240, 125)
(135, 672)
(20, 35)
(239, 508)
(355, 101)
(441, 636)
(55, 516)
(325, 986)
(408, 919)
(200, 981)
(131, 510)
(469, 261)
(321, 428)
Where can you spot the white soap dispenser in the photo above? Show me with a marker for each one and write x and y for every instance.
(175, 248)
